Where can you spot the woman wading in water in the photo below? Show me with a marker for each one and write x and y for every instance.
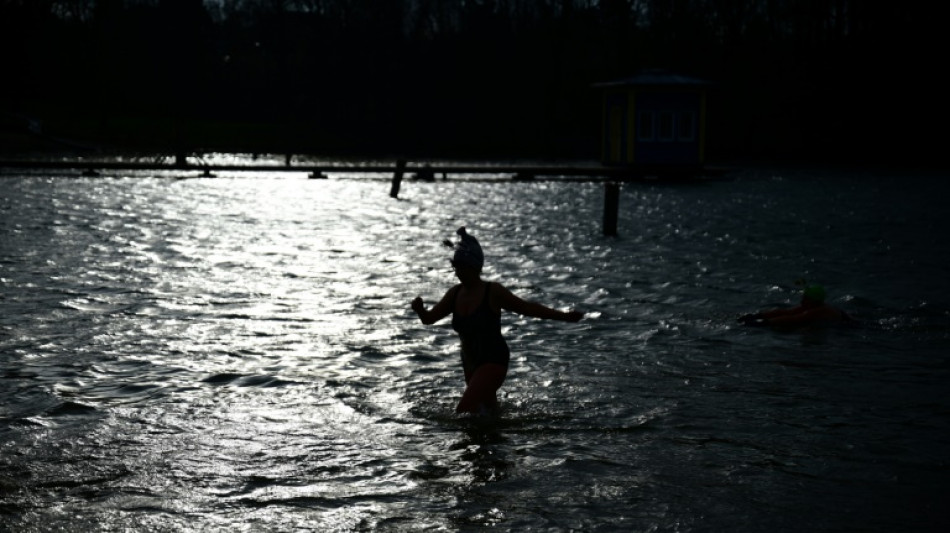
(476, 307)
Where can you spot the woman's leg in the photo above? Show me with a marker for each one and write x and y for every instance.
(481, 386)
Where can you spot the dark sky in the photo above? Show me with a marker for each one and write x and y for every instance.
(793, 79)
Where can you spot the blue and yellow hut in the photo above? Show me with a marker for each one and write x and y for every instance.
(654, 120)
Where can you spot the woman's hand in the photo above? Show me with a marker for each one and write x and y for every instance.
(750, 319)
(756, 319)
(417, 305)
(573, 316)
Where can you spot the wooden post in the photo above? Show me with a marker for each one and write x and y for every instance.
(611, 207)
(397, 178)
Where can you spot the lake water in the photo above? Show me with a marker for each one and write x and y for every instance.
(238, 354)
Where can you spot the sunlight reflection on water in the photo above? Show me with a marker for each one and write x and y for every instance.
(238, 353)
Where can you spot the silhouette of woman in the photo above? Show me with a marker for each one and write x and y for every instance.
(476, 307)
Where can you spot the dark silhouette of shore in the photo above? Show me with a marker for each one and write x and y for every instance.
(464, 79)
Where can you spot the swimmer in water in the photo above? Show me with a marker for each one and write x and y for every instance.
(476, 306)
(812, 311)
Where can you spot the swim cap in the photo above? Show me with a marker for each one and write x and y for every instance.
(814, 292)
(467, 252)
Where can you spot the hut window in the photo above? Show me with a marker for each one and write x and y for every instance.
(665, 130)
(684, 127)
(645, 126)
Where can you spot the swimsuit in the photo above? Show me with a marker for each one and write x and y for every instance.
(480, 333)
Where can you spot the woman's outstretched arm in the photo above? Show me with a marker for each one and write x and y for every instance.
(533, 309)
(438, 312)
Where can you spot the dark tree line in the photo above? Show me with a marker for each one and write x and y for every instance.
(803, 78)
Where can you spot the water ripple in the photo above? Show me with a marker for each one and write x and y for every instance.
(207, 354)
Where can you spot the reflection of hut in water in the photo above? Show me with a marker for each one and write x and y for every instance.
(654, 120)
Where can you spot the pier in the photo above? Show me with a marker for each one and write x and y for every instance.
(611, 176)
(431, 170)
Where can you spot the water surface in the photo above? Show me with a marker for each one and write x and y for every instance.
(238, 353)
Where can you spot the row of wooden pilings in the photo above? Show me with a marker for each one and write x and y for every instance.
(611, 198)
(522, 173)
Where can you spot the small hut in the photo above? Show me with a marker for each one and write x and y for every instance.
(654, 121)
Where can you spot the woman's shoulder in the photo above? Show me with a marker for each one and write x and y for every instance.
(498, 290)
(495, 286)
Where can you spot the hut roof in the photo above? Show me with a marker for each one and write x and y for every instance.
(654, 77)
